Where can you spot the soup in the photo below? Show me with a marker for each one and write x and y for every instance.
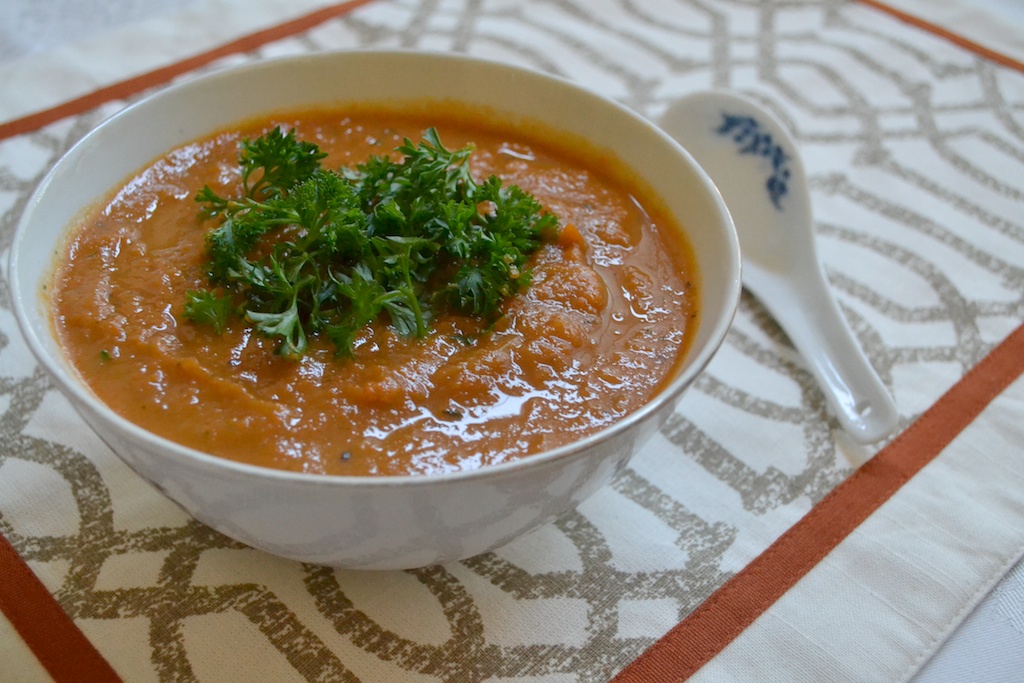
(606, 318)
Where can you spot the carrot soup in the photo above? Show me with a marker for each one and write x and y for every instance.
(596, 310)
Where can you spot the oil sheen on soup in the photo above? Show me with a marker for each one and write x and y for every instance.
(607, 318)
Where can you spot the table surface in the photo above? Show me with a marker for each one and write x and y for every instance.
(910, 125)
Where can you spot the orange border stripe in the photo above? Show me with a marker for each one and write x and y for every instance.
(956, 39)
(56, 641)
(131, 86)
(734, 606)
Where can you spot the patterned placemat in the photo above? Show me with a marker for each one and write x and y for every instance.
(914, 150)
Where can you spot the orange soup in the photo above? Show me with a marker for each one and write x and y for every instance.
(607, 317)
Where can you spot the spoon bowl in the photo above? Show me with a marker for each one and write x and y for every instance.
(753, 160)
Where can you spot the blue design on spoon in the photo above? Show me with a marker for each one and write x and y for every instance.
(747, 134)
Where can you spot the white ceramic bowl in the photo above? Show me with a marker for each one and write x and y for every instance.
(370, 522)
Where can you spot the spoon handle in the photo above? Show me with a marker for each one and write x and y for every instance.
(812, 320)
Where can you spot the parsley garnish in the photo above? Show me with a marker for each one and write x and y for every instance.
(306, 251)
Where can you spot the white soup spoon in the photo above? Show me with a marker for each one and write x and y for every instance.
(753, 160)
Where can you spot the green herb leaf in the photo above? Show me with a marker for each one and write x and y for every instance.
(309, 250)
(208, 308)
(273, 163)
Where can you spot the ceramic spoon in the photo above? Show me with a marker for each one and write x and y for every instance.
(753, 160)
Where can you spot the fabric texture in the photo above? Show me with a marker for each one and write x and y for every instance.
(995, 24)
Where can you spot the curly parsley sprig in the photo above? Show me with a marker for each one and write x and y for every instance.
(305, 251)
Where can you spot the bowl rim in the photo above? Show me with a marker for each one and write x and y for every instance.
(77, 389)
